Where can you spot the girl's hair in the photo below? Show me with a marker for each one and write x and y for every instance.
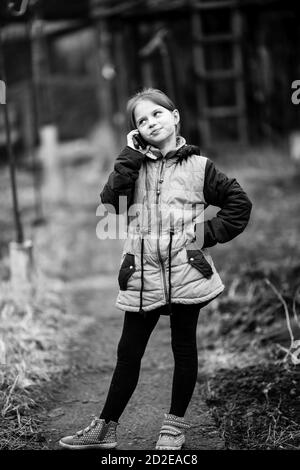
(151, 94)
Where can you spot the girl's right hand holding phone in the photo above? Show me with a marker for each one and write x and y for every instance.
(132, 143)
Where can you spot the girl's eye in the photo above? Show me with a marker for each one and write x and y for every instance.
(157, 112)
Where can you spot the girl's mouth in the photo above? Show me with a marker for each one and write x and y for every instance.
(155, 132)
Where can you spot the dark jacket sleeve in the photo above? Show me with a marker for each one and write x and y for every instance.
(226, 193)
(121, 181)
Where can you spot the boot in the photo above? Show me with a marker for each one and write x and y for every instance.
(171, 435)
(98, 435)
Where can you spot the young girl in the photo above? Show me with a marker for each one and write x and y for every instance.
(166, 268)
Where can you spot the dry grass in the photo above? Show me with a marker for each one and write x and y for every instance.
(247, 377)
(248, 380)
(33, 343)
(32, 355)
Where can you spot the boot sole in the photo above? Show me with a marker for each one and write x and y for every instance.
(168, 448)
(110, 445)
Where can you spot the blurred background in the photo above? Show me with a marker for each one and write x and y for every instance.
(228, 65)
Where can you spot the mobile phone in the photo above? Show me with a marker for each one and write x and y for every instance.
(139, 141)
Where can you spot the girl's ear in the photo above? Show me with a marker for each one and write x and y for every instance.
(176, 116)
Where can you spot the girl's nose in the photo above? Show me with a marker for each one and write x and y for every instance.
(152, 121)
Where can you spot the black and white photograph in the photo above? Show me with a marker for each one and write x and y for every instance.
(149, 229)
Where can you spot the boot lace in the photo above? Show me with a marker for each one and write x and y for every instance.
(88, 428)
(170, 431)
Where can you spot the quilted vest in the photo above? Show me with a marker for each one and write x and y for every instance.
(157, 267)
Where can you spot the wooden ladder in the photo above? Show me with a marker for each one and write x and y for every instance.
(204, 77)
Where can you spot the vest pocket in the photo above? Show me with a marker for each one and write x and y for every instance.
(197, 259)
(126, 270)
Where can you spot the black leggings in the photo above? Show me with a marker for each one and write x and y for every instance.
(135, 335)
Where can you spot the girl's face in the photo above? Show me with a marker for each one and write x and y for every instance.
(155, 123)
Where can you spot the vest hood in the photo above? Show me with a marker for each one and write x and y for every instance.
(182, 151)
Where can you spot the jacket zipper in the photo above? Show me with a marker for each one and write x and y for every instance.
(159, 231)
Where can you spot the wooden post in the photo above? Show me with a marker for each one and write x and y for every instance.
(294, 146)
(34, 34)
(120, 80)
(44, 105)
(147, 71)
(21, 269)
(133, 63)
(43, 110)
(106, 70)
(200, 88)
(3, 354)
(239, 68)
(166, 60)
(106, 74)
(48, 154)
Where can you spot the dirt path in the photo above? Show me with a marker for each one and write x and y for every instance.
(92, 289)
(84, 392)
